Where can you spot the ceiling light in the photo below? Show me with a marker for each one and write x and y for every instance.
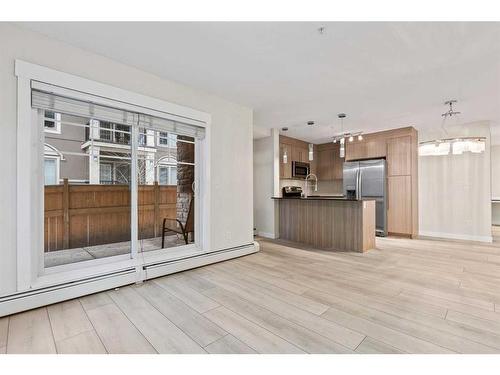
(345, 135)
(284, 129)
(457, 146)
(450, 112)
(342, 148)
(310, 122)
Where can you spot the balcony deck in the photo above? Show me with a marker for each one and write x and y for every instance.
(79, 254)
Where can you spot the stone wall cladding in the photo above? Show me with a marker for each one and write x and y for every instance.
(185, 177)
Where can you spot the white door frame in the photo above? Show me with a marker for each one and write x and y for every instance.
(30, 191)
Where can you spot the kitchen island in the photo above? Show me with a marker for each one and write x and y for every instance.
(330, 223)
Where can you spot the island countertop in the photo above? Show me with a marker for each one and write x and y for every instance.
(326, 197)
(331, 223)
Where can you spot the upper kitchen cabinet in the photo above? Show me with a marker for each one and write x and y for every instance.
(399, 154)
(285, 168)
(300, 153)
(329, 163)
(371, 147)
(296, 150)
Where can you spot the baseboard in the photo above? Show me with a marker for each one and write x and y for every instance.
(266, 235)
(18, 302)
(166, 268)
(42, 297)
(454, 236)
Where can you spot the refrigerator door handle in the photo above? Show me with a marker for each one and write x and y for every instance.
(360, 195)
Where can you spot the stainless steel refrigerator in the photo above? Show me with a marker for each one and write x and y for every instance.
(367, 179)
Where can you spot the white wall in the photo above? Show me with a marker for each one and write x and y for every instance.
(231, 157)
(263, 186)
(495, 171)
(454, 190)
(495, 184)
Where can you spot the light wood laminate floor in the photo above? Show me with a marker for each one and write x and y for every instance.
(408, 296)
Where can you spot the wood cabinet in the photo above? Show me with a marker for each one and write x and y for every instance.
(371, 147)
(285, 169)
(399, 208)
(398, 146)
(399, 156)
(329, 163)
(300, 153)
(324, 170)
(296, 150)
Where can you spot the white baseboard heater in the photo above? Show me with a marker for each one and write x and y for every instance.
(18, 302)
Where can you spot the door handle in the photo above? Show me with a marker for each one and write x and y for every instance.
(360, 183)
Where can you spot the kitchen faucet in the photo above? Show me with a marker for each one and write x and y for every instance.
(315, 183)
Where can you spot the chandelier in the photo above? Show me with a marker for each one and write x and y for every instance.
(342, 136)
(457, 146)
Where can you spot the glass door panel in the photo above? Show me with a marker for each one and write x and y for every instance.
(87, 189)
(165, 193)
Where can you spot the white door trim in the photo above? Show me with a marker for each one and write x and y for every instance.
(29, 173)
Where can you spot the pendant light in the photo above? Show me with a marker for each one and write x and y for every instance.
(311, 152)
(457, 146)
(342, 136)
(342, 116)
(285, 152)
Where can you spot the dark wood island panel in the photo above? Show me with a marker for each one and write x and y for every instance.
(336, 224)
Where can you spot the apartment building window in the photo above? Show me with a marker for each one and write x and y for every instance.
(167, 175)
(116, 133)
(106, 173)
(52, 122)
(167, 139)
(51, 168)
(104, 133)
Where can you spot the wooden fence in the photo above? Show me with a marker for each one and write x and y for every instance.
(88, 215)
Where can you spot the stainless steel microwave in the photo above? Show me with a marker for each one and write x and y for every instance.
(299, 169)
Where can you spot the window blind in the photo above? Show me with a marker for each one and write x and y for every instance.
(169, 126)
(61, 104)
(62, 100)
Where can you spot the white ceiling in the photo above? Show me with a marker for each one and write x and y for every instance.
(383, 75)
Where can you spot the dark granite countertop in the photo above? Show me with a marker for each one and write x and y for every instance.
(324, 197)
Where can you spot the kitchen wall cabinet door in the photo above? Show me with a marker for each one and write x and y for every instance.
(329, 165)
(300, 154)
(399, 156)
(399, 210)
(325, 164)
(368, 148)
(338, 165)
(375, 147)
(285, 169)
(354, 150)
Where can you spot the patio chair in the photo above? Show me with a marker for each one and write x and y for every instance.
(177, 226)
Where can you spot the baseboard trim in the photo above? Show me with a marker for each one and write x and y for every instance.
(454, 236)
(162, 269)
(37, 298)
(266, 235)
(17, 302)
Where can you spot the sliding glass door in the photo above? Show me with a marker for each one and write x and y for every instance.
(117, 185)
(87, 189)
(166, 176)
